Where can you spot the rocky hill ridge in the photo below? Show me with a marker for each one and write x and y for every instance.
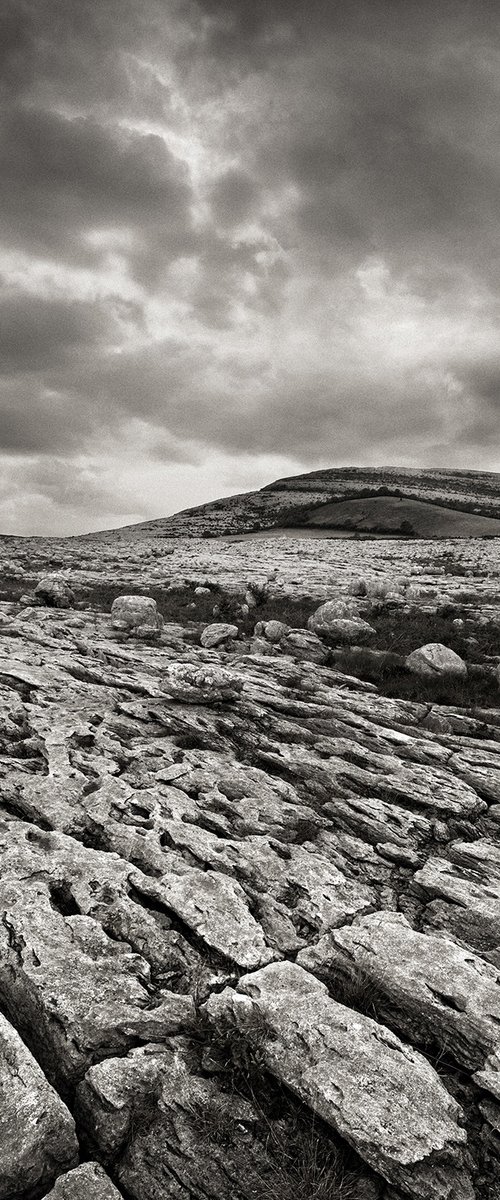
(293, 500)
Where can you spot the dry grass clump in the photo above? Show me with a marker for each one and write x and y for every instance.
(305, 1159)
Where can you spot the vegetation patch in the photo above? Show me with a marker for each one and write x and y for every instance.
(401, 633)
(307, 1161)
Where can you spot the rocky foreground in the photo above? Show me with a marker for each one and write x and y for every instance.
(249, 905)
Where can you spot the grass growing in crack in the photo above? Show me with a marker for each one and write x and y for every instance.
(210, 1120)
(358, 990)
(305, 1159)
(305, 1166)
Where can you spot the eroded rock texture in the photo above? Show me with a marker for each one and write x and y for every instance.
(249, 914)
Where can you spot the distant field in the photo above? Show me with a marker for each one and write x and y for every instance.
(391, 514)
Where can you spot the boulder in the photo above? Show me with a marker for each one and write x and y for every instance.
(88, 1182)
(304, 646)
(434, 661)
(274, 631)
(336, 622)
(357, 587)
(215, 635)
(37, 1132)
(136, 614)
(54, 592)
(257, 591)
(200, 684)
(379, 589)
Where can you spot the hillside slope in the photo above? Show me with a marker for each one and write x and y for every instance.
(293, 502)
(377, 514)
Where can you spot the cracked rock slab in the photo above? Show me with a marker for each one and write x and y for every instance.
(37, 1132)
(216, 909)
(381, 1096)
(80, 992)
(175, 1132)
(172, 1132)
(434, 988)
(464, 899)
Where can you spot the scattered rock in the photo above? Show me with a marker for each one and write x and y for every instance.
(54, 592)
(436, 660)
(216, 635)
(137, 615)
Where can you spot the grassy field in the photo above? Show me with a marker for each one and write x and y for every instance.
(392, 514)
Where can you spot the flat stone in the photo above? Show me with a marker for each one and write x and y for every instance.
(37, 1131)
(216, 909)
(433, 988)
(381, 1096)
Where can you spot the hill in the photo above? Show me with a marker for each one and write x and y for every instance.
(434, 502)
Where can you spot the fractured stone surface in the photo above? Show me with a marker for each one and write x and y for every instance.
(173, 814)
(381, 1095)
(430, 984)
(37, 1132)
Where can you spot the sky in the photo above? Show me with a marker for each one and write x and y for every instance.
(242, 239)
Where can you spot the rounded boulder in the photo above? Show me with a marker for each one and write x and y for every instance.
(54, 592)
(334, 622)
(136, 614)
(435, 660)
(202, 684)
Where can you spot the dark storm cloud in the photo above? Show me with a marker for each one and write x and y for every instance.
(63, 178)
(35, 419)
(36, 334)
(257, 227)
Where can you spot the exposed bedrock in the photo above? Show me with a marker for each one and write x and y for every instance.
(382, 1096)
(249, 905)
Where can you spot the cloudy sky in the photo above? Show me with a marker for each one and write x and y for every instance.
(241, 239)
